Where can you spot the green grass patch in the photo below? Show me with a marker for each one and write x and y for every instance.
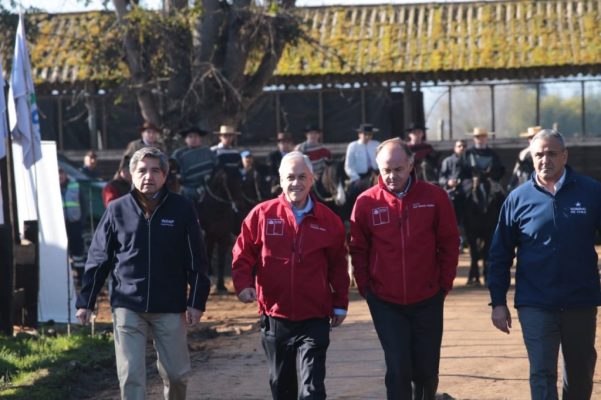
(48, 368)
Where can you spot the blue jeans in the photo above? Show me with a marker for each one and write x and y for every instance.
(544, 332)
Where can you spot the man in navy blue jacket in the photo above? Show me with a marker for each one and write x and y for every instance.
(151, 244)
(551, 220)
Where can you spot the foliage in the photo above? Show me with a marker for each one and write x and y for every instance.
(48, 368)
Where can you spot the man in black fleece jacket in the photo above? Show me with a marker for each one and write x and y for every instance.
(151, 244)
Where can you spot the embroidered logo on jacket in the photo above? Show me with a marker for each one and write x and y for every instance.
(319, 228)
(578, 209)
(380, 216)
(167, 222)
(274, 227)
(421, 205)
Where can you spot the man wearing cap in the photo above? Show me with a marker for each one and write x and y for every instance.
(285, 145)
(523, 166)
(227, 155)
(195, 161)
(425, 158)
(314, 149)
(480, 160)
(291, 257)
(253, 181)
(150, 136)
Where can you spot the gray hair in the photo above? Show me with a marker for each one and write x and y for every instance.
(149, 152)
(398, 142)
(294, 155)
(547, 134)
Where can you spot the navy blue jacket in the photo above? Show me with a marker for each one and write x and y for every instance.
(153, 262)
(555, 240)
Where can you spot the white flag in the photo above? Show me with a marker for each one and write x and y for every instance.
(22, 106)
(3, 126)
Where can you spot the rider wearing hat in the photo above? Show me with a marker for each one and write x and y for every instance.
(150, 136)
(524, 167)
(195, 161)
(481, 159)
(228, 156)
(314, 149)
(425, 159)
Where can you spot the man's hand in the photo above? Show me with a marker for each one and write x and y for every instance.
(501, 318)
(336, 320)
(193, 316)
(248, 295)
(84, 315)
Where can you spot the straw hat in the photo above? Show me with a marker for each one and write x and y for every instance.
(226, 130)
(532, 130)
(480, 132)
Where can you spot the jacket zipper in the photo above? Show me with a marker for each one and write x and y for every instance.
(149, 221)
(403, 264)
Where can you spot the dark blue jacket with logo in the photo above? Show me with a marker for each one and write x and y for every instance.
(555, 240)
(157, 265)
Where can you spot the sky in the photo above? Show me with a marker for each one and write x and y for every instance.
(75, 5)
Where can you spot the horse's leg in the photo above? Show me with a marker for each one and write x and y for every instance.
(221, 250)
(473, 275)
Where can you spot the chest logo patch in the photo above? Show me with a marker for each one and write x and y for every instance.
(274, 227)
(423, 205)
(167, 222)
(578, 208)
(380, 216)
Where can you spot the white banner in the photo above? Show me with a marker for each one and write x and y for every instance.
(55, 280)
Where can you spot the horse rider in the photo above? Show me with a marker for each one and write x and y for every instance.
(360, 160)
(285, 144)
(524, 167)
(196, 163)
(228, 157)
(450, 181)
(480, 160)
(150, 136)
(425, 159)
(253, 180)
(314, 149)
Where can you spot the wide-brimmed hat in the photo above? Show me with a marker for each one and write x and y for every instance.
(148, 126)
(193, 129)
(312, 128)
(480, 132)
(227, 130)
(284, 137)
(367, 128)
(531, 132)
(415, 126)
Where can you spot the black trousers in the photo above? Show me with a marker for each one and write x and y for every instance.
(410, 336)
(283, 341)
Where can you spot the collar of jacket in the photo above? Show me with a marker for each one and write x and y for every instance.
(383, 186)
(139, 196)
(316, 211)
(568, 180)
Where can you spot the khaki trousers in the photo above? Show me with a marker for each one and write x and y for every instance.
(173, 362)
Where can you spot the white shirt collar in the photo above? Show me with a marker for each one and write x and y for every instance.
(557, 185)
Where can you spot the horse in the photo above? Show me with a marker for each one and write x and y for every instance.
(329, 187)
(482, 201)
(255, 188)
(219, 210)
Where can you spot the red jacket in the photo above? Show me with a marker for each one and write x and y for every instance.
(301, 270)
(404, 250)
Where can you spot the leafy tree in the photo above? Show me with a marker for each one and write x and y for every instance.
(203, 63)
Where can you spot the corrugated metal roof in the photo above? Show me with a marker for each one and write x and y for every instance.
(444, 41)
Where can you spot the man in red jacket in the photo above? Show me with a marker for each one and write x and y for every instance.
(291, 257)
(404, 249)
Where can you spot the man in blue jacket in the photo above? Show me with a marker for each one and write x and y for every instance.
(551, 220)
(151, 244)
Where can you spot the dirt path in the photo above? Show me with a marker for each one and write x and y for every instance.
(477, 363)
